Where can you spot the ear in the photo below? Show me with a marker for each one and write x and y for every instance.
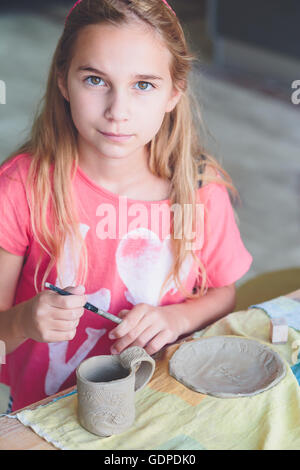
(175, 97)
(63, 89)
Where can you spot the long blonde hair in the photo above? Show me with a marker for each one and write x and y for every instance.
(175, 153)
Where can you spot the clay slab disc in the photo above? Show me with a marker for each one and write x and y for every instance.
(227, 366)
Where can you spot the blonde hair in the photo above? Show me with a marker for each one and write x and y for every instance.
(175, 153)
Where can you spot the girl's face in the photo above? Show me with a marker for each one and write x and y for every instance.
(110, 89)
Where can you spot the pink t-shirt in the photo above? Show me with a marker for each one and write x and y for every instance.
(129, 257)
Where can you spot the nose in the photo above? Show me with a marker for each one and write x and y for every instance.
(117, 106)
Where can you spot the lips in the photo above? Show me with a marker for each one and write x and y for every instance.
(116, 135)
(117, 138)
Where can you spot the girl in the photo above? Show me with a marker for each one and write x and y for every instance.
(95, 198)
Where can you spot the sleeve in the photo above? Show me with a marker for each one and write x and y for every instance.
(14, 214)
(223, 253)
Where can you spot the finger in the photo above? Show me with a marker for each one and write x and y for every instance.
(143, 339)
(54, 336)
(67, 301)
(63, 325)
(133, 317)
(158, 342)
(75, 290)
(133, 336)
(123, 313)
(78, 293)
(66, 314)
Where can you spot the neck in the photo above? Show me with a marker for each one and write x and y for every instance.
(114, 174)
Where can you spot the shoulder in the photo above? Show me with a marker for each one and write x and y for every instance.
(207, 173)
(210, 179)
(213, 193)
(15, 169)
(15, 222)
(210, 173)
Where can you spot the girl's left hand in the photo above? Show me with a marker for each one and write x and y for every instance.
(146, 326)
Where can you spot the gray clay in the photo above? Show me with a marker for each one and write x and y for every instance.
(106, 387)
(227, 366)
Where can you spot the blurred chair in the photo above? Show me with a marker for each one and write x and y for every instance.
(267, 286)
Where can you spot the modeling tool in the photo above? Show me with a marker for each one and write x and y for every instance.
(88, 306)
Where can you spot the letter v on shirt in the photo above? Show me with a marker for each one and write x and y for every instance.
(59, 370)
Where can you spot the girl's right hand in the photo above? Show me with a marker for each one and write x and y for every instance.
(50, 317)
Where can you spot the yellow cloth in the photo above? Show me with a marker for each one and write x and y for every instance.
(170, 416)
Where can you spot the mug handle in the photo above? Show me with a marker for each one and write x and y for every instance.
(136, 358)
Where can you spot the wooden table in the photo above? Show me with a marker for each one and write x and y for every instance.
(15, 436)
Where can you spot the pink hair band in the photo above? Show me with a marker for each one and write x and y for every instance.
(166, 3)
(79, 1)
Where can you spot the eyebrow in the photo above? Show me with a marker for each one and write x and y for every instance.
(88, 68)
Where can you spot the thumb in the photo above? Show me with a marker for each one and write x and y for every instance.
(77, 290)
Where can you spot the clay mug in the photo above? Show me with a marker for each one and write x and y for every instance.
(106, 387)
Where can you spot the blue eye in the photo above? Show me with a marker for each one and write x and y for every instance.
(92, 78)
